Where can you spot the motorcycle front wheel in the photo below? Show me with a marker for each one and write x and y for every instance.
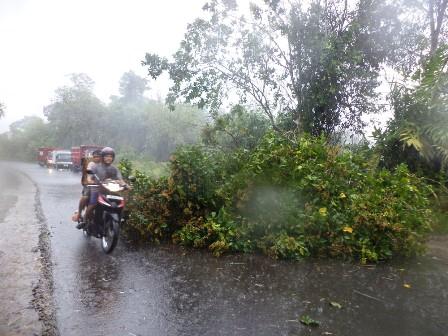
(110, 238)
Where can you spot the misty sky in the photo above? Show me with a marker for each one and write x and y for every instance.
(42, 41)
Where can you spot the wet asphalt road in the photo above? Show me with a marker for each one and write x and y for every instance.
(168, 290)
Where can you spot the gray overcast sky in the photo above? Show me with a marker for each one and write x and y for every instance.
(44, 40)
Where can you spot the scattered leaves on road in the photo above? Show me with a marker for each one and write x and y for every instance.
(335, 304)
(308, 321)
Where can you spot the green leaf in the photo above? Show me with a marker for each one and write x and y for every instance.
(335, 304)
(308, 321)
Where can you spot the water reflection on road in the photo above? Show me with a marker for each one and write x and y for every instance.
(169, 290)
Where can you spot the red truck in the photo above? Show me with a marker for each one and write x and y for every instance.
(43, 154)
(80, 153)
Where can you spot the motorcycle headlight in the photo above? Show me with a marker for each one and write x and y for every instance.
(113, 187)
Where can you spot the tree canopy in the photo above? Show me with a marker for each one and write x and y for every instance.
(131, 122)
(312, 68)
(76, 113)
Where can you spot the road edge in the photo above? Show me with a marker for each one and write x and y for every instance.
(43, 292)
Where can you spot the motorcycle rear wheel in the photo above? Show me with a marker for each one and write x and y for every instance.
(110, 238)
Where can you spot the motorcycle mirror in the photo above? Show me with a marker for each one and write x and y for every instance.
(131, 178)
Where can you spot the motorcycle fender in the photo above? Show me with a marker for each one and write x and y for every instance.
(114, 216)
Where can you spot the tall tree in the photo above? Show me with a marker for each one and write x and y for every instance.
(132, 87)
(311, 68)
(419, 101)
(423, 30)
(422, 112)
(146, 127)
(76, 114)
(437, 15)
(126, 122)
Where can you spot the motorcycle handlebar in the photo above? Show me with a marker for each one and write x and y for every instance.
(126, 186)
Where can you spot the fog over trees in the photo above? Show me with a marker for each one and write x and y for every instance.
(316, 68)
(131, 123)
(296, 68)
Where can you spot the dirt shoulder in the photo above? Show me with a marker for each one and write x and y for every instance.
(26, 305)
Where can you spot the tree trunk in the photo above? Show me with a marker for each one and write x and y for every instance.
(436, 12)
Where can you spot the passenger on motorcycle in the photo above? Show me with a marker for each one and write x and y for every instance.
(104, 170)
(85, 181)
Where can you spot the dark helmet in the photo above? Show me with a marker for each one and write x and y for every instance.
(108, 151)
(97, 152)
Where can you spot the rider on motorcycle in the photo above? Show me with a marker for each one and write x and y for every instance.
(104, 170)
(86, 179)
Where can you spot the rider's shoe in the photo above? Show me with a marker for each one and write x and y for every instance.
(81, 224)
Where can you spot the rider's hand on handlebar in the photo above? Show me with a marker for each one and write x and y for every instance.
(124, 185)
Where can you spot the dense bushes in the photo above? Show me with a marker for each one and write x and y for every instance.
(286, 200)
(159, 207)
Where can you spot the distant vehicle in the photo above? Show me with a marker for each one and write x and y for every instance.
(60, 159)
(82, 152)
(50, 159)
(42, 155)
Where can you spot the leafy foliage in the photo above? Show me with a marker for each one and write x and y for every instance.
(161, 206)
(423, 30)
(421, 120)
(309, 68)
(144, 129)
(308, 321)
(289, 201)
(76, 113)
(239, 129)
(132, 88)
(25, 136)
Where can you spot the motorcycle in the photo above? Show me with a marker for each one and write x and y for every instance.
(107, 215)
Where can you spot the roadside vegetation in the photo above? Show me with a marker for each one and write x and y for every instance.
(262, 145)
(142, 128)
(286, 200)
